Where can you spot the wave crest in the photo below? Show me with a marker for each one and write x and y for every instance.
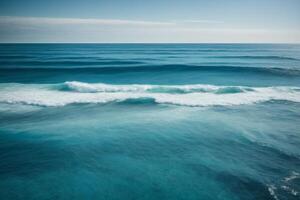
(180, 89)
(184, 95)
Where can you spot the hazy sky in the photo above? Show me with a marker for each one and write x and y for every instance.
(150, 21)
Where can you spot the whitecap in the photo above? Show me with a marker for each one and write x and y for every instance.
(194, 95)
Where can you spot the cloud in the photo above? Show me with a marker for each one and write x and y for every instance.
(77, 21)
(43, 29)
(34, 21)
(200, 21)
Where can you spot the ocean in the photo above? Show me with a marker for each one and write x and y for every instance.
(150, 121)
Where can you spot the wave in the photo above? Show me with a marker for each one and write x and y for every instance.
(182, 95)
(180, 89)
(69, 63)
(258, 57)
(158, 68)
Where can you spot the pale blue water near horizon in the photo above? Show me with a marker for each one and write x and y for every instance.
(150, 121)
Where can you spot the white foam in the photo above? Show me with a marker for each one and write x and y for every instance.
(45, 95)
(294, 175)
(100, 87)
(290, 190)
(271, 190)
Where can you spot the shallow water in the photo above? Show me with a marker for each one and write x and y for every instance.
(149, 121)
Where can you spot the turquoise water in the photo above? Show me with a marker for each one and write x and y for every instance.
(149, 121)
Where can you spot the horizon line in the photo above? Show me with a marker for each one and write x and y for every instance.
(149, 43)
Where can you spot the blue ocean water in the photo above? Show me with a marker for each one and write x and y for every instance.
(150, 121)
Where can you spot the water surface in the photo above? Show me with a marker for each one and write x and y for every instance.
(149, 121)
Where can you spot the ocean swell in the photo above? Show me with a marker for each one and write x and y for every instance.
(182, 95)
(255, 57)
(281, 71)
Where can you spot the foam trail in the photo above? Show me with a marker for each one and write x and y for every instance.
(183, 95)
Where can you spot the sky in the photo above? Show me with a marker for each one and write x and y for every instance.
(150, 21)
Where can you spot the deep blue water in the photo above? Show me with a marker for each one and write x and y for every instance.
(150, 121)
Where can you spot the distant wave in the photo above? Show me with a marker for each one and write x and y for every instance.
(182, 95)
(257, 57)
(70, 63)
(14, 57)
(160, 68)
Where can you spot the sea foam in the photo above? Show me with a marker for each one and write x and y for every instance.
(183, 95)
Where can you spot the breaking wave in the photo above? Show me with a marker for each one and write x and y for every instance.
(100, 87)
(182, 95)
